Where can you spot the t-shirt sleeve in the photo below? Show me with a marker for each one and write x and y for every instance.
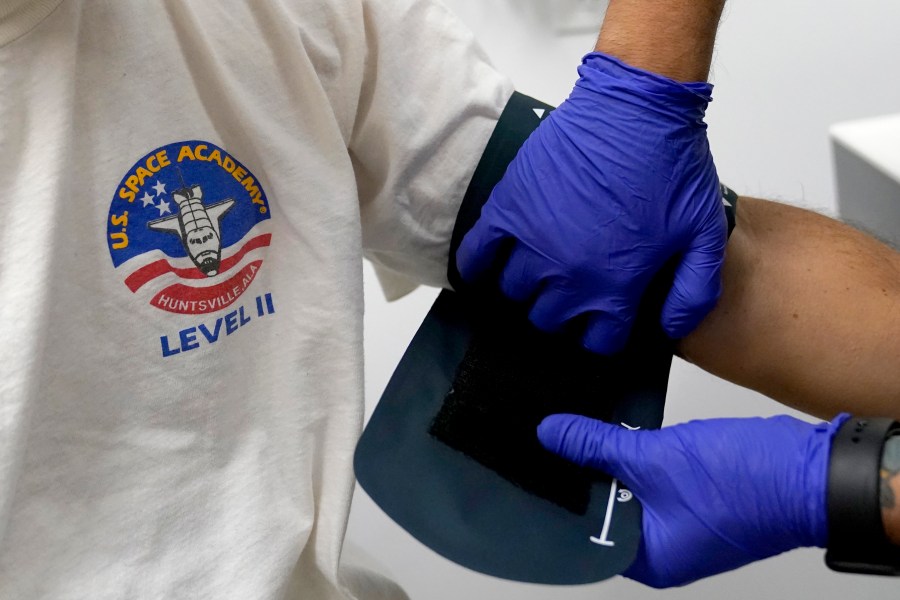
(429, 101)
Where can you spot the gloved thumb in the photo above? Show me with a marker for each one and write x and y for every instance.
(478, 250)
(697, 285)
(590, 443)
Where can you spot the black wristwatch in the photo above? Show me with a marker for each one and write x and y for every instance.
(857, 542)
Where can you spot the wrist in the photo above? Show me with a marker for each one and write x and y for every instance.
(674, 38)
(605, 80)
(813, 520)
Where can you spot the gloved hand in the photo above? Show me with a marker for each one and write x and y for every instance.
(716, 494)
(613, 183)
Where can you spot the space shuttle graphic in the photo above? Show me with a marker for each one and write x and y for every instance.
(197, 226)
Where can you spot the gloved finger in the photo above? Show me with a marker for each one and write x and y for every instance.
(606, 332)
(657, 576)
(640, 570)
(520, 278)
(590, 443)
(697, 285)
(552, 308)
(477, 253)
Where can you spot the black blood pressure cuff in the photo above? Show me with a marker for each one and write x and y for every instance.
(857, 542)
(451, 452)
(730, 201)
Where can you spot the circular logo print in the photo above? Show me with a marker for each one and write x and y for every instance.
(188, 227)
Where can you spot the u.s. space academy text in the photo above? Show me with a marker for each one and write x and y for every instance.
(205, 334)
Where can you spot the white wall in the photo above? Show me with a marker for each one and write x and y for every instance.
(784, 72)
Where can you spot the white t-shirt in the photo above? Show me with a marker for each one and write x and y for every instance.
(187, 190)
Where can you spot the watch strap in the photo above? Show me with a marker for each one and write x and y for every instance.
(857, 542)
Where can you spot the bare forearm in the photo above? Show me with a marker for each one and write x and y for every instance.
(810, 314)
(674, 38)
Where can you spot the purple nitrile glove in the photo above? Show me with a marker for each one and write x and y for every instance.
(716, 494)
(614, 183)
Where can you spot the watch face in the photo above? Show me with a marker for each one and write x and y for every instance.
(856, 471)
(890, 487)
